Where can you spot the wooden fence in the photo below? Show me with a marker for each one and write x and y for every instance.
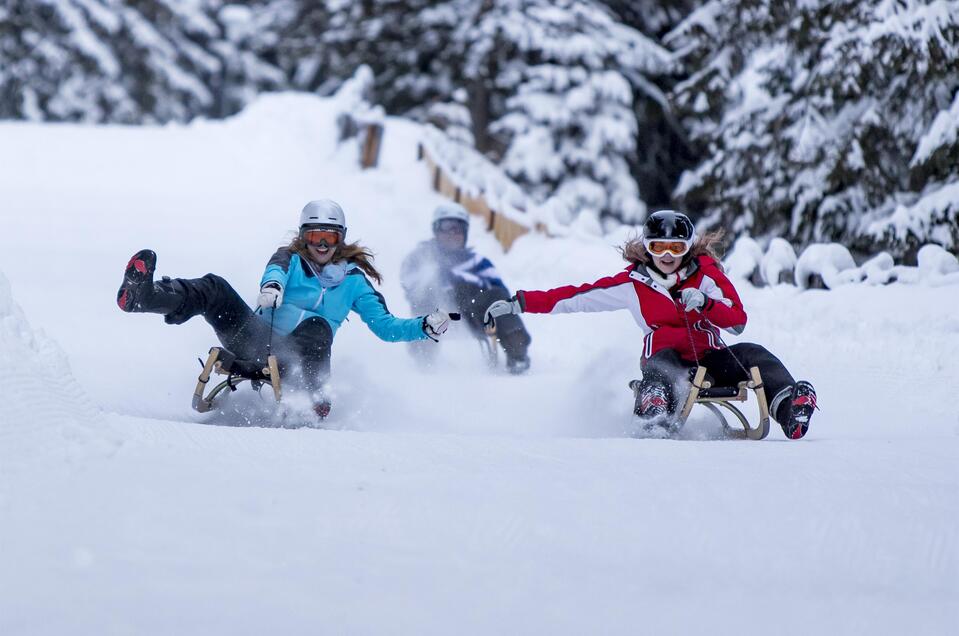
(372, 137)
(505, 229)
(369, 136)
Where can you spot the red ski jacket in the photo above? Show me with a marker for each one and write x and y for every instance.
(657, 310)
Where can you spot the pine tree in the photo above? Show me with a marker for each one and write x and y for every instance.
(652, 18)
(810, 115)
(551, 86)
(128, 61)
(404, 42)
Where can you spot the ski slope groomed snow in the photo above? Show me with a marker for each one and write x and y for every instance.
(456, 501)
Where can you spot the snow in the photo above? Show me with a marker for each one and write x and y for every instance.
(44, 410)
(937, 266)
(779, 259)
(831, 261)
(449, 502)
(934, 216)
(744, 258)
(944, 132)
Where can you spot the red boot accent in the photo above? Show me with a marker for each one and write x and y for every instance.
(322, 409)
(137, 264)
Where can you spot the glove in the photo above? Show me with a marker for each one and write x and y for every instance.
(271, 296)
(436, 324)
(501, 308)
(692, 299)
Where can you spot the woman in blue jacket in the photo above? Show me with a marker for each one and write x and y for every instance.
(306, 292)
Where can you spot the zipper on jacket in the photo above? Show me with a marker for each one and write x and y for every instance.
(320, 299)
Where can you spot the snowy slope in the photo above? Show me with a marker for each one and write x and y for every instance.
(452, 502)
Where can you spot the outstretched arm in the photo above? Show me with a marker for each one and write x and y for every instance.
(607, 294)
(371, 306)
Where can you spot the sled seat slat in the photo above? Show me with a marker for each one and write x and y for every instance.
(225, 362)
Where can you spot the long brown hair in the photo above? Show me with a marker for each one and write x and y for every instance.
(350, 252)
(709, 243)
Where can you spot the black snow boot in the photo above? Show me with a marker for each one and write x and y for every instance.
(138, 292)
(795, 422)
(322, 407)
(654, 404)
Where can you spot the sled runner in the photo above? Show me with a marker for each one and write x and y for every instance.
(224, 362)
(702, 391)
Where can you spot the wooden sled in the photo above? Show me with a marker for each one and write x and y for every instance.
(223, 362)
(701, 391)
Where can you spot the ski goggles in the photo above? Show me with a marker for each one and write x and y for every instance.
(676, 248)
(321, 236)
(450, 225)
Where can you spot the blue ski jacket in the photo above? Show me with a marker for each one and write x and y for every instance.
(307, 294)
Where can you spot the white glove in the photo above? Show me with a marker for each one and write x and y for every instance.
(271, 296)
(436, 324)
(693, 299)
(501, 308)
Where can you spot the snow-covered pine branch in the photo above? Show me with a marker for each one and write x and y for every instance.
(820, 119)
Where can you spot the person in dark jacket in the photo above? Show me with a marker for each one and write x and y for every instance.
(679, 296)
(306, 291)
(443, 272)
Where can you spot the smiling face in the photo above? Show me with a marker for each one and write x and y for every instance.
(321, 254)
(666, 262)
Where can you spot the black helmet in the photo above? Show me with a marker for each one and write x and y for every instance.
(668, 225)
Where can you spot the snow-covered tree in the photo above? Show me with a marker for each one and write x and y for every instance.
(653, 18)
(820, 120)
(133, 62)
(406, 43)
(552, 81)
(552, 88)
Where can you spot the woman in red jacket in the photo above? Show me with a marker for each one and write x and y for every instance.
(677, 293)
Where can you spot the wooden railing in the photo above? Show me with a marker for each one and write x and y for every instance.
(369, 135)
(505, 229)
(372, 137)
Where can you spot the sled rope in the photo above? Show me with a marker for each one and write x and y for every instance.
(692, 343)
(269, 342)
(689, 331)
(726, 346)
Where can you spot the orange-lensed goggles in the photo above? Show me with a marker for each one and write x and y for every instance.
(676, 248)
(321, 236)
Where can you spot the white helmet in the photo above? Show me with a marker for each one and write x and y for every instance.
(323, 212)
(450, 210)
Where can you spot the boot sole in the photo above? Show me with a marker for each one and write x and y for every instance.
(139, 270)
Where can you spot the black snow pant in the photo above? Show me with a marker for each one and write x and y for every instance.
(303, 355)
(471, 302)
(666, 367)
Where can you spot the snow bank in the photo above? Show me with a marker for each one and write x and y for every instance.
(937, 266)
(744, 259)
(831, 265)
(41, 404)
(830, 261)
(878, 270)
(778, 263)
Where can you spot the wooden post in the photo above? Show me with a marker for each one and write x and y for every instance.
(370, 151)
